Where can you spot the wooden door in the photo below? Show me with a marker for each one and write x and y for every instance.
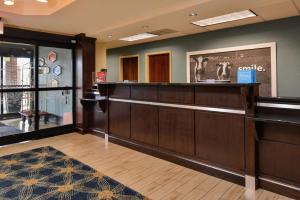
(130, 68)
(159, 68)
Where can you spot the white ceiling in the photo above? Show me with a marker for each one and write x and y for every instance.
(33, 7)
(122, 18)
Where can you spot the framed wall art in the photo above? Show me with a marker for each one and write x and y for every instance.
(223, 63)
(54, 83)
(57, 70)
(52, 56)
(42, 62)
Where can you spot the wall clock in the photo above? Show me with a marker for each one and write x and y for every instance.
(57, 70)
(52, 56)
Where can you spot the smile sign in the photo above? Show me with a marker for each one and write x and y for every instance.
(255, 67)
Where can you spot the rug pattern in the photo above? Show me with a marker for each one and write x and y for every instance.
(48, 174)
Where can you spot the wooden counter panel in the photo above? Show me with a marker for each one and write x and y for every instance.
(119, 119)
(144, 124)
(176, 94)
(220, 139)
(279, 133)
(98, 118)
(119, 91)
(144, 92)
(219, 97)
(176, 130)
(279, 160)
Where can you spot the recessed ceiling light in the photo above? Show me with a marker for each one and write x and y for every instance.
(42, 1)
(139, 37)
(193, 14)
(109, 36)
(225, 18)
(9, 2)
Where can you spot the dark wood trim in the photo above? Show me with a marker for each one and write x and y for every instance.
(43, 133)
(37, 38)
(280, 189)
(176, 158)
(250, 148)
(88, 59)
(35, 89)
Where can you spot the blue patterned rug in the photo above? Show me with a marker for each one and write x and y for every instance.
(48, 174)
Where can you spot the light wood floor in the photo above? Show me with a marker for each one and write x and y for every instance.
(153, 177)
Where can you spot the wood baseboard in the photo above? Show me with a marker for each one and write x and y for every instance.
(280, 188)
(98, 133)
(181, 160)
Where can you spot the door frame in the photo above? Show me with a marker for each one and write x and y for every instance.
(147, 63)
(121, 65)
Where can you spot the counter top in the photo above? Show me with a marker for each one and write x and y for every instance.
(182, 84)
(280, 100)
(277, 118)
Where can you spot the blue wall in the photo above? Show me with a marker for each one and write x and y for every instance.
(285, 32)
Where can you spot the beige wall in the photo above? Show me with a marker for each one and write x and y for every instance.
(100, 56)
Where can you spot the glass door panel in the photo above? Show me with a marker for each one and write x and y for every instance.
(55, 67)
(17, 65)
(55, 108)
(17, 113)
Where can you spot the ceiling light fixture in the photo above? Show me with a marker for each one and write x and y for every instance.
(1, 26)
(193, 14)
(9, 2)
(109, 36)
(225, 18)
(42, 1)
(139, 37)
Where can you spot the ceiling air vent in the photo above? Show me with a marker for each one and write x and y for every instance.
(163, 32)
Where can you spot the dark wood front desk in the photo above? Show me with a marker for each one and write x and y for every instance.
(202, 126)
(214, 128)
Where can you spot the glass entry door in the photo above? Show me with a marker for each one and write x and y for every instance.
(35, 96)
(55, 87)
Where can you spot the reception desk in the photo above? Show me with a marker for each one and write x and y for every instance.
(224, 130)
(203, 126)
(278, 145)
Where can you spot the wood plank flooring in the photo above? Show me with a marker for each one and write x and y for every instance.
(153, 177)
